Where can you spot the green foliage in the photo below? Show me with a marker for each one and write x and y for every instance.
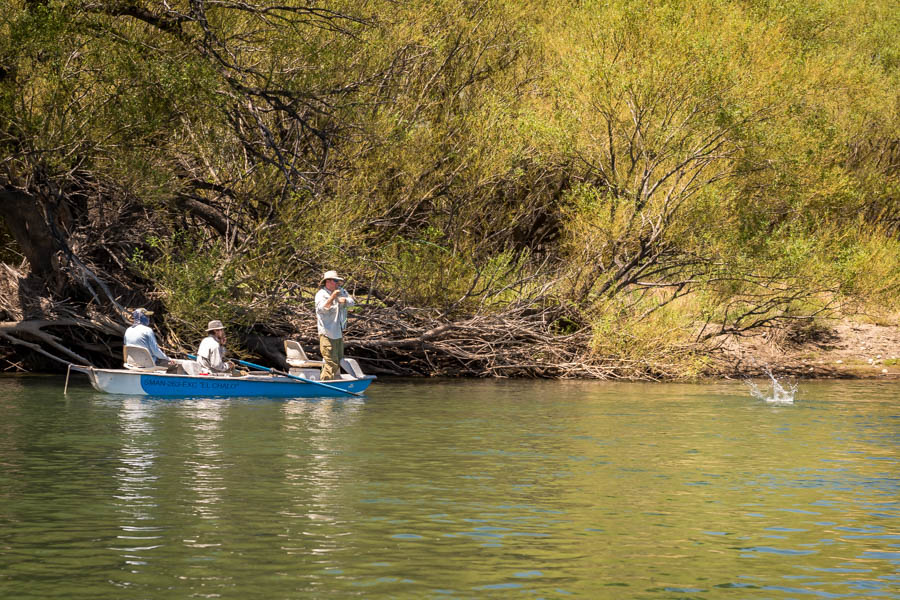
(651, 164)
(646, 339)
(426, 273)
(867, 265)
(199, 281)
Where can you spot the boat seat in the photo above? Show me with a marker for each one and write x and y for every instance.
(351, 367)
(297, 358)
(139, 358)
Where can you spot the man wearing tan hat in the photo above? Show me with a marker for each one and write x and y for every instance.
(211, 354)
(332, 302)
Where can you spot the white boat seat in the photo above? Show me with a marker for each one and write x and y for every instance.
(351, 367)
(297, 358)
(139, 358)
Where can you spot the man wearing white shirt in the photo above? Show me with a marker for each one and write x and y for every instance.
(211, 354)
(332, 302)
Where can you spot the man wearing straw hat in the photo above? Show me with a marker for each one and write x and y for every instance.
(211, 354)
(332, 302)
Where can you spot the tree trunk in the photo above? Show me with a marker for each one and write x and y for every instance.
(25, 218)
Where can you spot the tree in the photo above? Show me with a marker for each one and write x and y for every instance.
(119, 120)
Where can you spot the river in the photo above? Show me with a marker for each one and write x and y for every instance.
(452, 489)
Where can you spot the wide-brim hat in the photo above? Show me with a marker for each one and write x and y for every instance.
(213, 325)
(331, 275)
(141, 311)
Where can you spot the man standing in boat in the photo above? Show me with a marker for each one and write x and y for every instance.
(332, 302)
(211, 354)
(140, 334)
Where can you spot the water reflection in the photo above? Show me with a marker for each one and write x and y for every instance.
(136, 498)
(313, 473)
(462, 489)
(204, 460)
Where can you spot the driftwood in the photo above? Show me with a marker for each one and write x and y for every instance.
(536, 339)
(520, 341)
(35, 335)
(517, 342)
(58, 331)
(529, 339)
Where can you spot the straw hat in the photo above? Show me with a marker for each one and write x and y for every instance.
(330, 275)
(213, 325)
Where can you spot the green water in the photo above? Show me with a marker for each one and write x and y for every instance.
(452, 489)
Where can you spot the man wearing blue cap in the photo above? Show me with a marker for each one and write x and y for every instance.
(141, 335)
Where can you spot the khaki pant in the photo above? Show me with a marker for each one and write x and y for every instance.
(332, 353)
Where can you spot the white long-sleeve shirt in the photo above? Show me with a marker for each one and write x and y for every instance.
(331, 321)
(211, 356)
(143, 336)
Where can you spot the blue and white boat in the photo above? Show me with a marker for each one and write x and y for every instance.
(183, 378)
(132, 382)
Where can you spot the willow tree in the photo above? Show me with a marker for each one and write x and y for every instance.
(706, 154)
(656, 107)
(120, 121)
(203, 142)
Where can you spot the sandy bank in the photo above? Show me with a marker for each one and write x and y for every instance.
(846, 350)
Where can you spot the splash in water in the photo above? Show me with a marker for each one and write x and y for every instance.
(778, 394)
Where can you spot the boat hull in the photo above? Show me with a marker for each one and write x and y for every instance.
(121, 381)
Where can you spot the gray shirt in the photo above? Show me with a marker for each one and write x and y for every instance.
(143, 336)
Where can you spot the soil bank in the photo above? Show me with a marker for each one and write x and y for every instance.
(847, 350)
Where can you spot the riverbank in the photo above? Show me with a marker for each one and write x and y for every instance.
(846, 350)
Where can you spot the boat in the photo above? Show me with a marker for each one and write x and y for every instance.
(182, 378)
(132, 382)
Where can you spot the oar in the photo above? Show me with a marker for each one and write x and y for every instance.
(297, 377)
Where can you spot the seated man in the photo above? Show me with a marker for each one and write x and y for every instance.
(211, 354)
(141, 335)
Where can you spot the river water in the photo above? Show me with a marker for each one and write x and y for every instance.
(452, 489)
